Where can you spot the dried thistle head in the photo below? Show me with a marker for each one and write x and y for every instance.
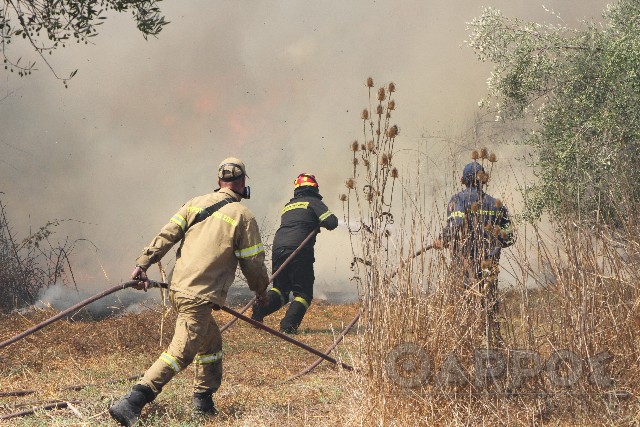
(483, 177)
(493, 158)
(343, 197)
(377, 131)
(355, 161)
(503, 235)
(387, 233)
(363, 147)
(475, 155)
(394, 173)
(393, 131)
(366, 163)
(382, 94)
(391, 105)
(369, 197)
(384, 160)
(370, 145)
(365, 114)
(350, 183)
(474, 207)
(369, 81)
(488, 228)
(379, 110)
(391, 87)
(484, 153)
(498, 203)
(355, 146)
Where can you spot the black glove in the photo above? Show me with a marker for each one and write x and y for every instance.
(140, 275)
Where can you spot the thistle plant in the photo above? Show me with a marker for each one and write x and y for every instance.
(370, 186)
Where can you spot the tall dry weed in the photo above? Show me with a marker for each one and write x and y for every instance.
(568, 311)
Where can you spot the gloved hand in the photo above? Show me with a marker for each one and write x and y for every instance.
(262, 299)
(140, 275)
(439, 244)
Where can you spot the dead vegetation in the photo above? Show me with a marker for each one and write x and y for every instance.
(55, 361)
(569, 317)
(30, 265)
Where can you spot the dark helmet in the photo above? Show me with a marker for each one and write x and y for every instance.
(471, 172)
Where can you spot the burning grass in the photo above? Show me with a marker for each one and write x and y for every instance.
(98, 354)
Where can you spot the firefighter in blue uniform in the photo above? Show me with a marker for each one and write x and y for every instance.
(304, 213)
(478, 227)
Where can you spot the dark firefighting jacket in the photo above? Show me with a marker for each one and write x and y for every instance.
(300, 216)
(478, 226)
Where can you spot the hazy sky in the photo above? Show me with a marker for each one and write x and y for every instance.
(280, 84)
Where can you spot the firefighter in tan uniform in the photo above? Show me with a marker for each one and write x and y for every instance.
(216, 233)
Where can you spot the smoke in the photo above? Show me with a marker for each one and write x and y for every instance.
(61, 298)
(280, 84)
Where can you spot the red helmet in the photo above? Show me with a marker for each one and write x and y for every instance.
(305, 179)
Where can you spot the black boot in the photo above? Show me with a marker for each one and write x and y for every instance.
(275, 302)
(128, 409)
(290, 322)
(203, 404)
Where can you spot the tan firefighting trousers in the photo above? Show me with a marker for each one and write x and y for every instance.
(196, 339)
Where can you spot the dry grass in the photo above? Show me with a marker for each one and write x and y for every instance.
(574, 292)
(254, 390)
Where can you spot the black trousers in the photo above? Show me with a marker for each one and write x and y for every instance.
(297, 277)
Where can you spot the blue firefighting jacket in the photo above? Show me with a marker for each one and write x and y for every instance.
(478, 226)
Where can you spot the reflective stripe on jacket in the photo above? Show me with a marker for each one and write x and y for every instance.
(211, 250)
(300, 216)
(471, 217)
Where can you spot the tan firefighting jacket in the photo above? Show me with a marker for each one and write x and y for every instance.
(210, 250)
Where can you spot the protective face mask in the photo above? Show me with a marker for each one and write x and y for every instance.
(246, 193)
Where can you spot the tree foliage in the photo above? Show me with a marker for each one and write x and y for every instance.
(582, 88)
(51, 24)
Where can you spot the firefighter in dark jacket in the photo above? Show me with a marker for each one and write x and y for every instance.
(478, 227)
(300, 216)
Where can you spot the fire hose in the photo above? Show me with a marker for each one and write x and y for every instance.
(68, 311)
(236, 315)
(415, 255)
(259, 325)
(328, 350)
(153, 283)
(48, 407)
(125, 285)
(352, 323)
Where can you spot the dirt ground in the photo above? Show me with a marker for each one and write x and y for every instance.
(90, 363)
